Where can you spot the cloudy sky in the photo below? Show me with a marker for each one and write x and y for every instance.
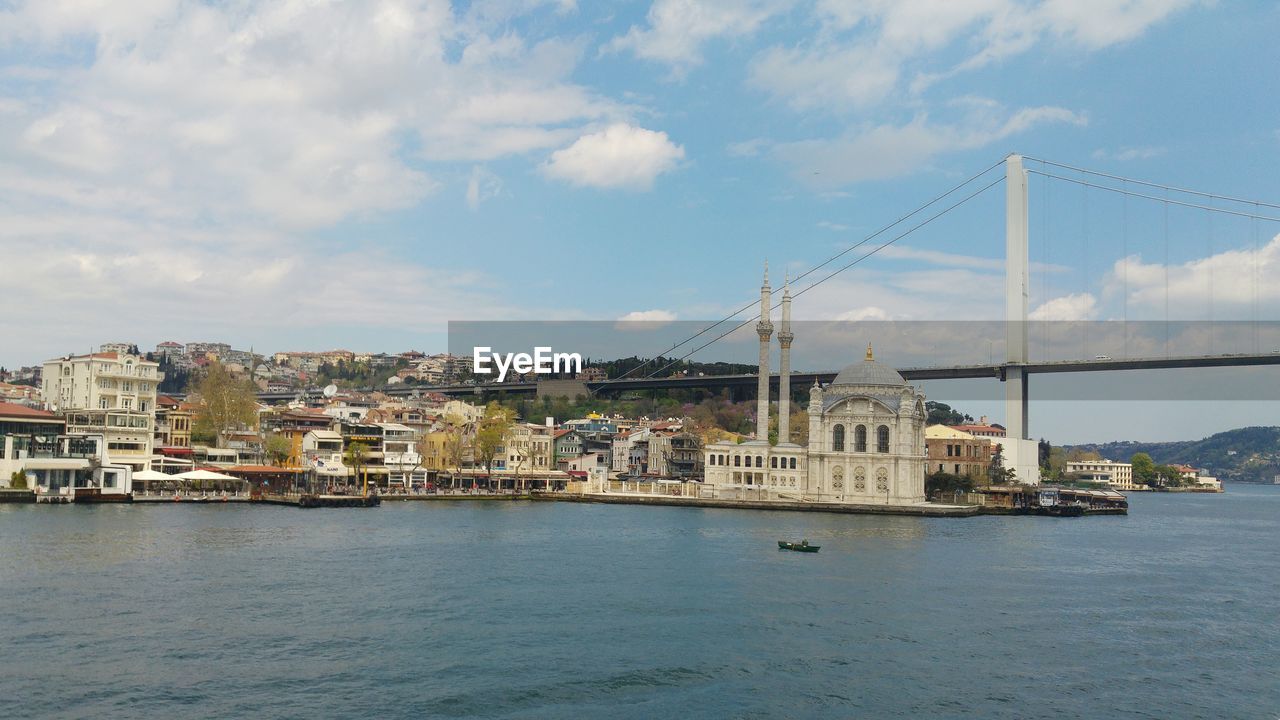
(308, 174)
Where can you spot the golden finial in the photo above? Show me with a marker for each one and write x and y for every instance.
(870, 356)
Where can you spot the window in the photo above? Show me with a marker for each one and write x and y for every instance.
(882, 439)
(759, 461)
(860, 439)
(793, 464)
(737, 461)
(837, 438)
(773, 462)
(949, 447)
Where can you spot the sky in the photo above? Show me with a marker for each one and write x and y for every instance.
(312, 174)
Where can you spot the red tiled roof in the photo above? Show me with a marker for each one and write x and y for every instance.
(22, 411)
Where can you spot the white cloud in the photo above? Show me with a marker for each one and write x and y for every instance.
(677, 29)
(887, 151)
(861, 314)
(1130, 153)
(300, 113)
(651, 316)
(747, 148)
(483, 185)
(620, 156)
(886, 40)
(937, 257)
(1233, 282)
(1077, 306)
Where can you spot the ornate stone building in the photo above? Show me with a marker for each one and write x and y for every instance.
(866, 439)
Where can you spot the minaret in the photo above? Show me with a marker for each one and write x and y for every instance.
(784, 367)
(764, 329)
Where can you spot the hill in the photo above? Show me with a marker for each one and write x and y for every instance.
(1249, 454)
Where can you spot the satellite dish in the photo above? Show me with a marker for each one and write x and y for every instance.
(330, 390)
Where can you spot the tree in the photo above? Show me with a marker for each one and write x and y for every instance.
(225, 404)
(943, 414)
(997, 473)
(355, 456)
(278, 448)
(18, 480)
(492, 434)
(941, 482)
(1144, 469)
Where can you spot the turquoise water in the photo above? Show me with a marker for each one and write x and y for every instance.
(521, 610)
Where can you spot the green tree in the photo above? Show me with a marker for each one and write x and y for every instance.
(1144, 469)
(941, 482)
(278, 448)
(18, 480)
(944, 414)
(225, 404)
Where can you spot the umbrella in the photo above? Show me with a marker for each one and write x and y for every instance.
(201, 476)
(151, 475)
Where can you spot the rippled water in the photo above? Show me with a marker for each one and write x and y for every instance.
(561, 610)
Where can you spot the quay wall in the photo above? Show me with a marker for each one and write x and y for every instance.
(673, 500)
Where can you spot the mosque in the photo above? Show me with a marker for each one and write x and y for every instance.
(866, 434)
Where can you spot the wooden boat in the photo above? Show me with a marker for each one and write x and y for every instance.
(802, 546)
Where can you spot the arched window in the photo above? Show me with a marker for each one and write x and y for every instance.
(724, 459)
(737, 461)
(793, 463)
(711, 460)
(860, 438)
(773, 462)
(759, 461)
(882, 439)
(837, 438)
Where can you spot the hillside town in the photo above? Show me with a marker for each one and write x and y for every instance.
(99, 425)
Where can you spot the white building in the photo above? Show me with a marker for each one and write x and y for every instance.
(1118, 476)
(400, 455)
(34, 443)
(109, 394)
(866, 438)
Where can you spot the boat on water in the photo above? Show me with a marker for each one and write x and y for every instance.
(802, 546)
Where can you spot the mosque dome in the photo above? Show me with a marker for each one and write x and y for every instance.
(869, 372)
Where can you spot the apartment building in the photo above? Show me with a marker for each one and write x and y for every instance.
(109, 394)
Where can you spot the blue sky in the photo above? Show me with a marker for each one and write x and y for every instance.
(307, 175)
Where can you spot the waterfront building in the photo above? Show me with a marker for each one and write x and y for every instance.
(370, 464)
(954, 451)
(567, 445)
(173, 423)
(1117, 476)
(866, 437)
(400, 455)
(112, 395)
(36, 443)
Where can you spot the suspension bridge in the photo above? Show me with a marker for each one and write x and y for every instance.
(1017, 363)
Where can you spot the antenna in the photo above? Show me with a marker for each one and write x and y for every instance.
(330, 390)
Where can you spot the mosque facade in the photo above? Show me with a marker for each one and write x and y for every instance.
(866, 435)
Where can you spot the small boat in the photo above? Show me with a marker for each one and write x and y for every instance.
(802, 546)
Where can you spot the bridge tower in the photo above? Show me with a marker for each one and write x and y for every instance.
(1017, 274)
(764, 329)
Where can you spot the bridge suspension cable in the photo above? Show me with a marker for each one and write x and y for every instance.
(1156, 198)
(852, 263)
(1214, 196)
(810, 271)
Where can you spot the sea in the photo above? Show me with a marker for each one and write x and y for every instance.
(565, 610)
